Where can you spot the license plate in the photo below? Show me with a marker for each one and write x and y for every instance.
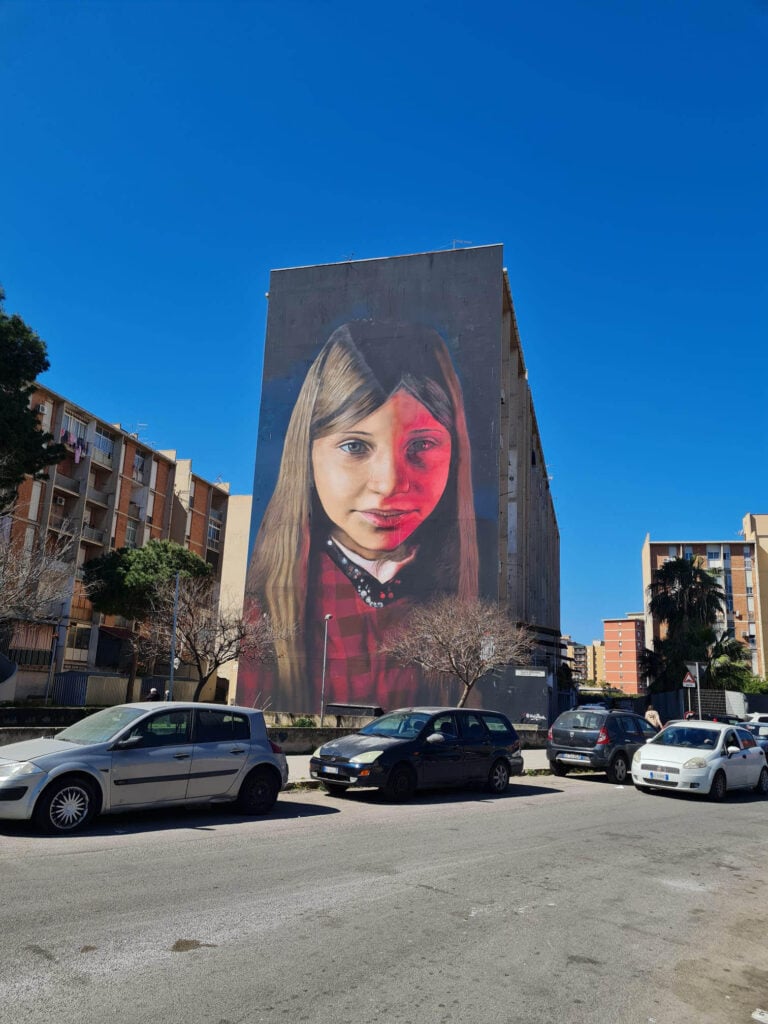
(663, 776)
(330, 770)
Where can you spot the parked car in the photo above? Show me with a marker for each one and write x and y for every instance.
(422, 748)
(703, 757)
(758, 716)
(594, 737)
(142, 755)
(760, 732)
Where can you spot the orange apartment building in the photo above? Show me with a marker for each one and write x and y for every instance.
(624, 645)
(110, 491)
(742, 571)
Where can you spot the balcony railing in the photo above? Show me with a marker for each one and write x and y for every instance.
(66, 483)
(98, 496)
(91, 533)
(62, 524)
(103, 458)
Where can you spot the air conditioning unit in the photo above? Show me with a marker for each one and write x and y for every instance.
(40, 407)
(60, 501)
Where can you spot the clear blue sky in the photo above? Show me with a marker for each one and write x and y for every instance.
(159, 158)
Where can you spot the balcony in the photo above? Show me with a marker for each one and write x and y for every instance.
(61, 524)
(103, 458)
(100, 497)
(66, 483)
(92, 535)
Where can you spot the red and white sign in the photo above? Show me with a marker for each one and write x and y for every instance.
(689, 681)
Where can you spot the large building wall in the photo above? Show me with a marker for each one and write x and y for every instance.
(452, 310)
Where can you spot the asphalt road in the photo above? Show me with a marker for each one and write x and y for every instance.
(567, 900)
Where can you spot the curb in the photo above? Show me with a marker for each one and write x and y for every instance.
(304, 784)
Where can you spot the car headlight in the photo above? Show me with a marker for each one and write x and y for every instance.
(367, 758)
(14, 770)
(697, 762)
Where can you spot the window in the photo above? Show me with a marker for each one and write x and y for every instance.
(712, 555)
(138, 466)
(499, 727)
(220, 727)
(688, 551)
(168, 728)
(445, 724)
(103, 443)
(472, 728)
(131, 527)
(73, 426)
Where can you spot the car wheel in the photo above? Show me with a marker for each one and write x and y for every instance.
(65, 806)
(558, 769)
(498, 778)
(618, 770)
(259, 792)
(762, 782)
(401, 784)
(718, 788)
(334, 789)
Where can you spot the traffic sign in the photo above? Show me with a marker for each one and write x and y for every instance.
(689, 681)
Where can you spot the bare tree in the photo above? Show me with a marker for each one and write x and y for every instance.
(34, 580)
(461, 640)
(208, 635)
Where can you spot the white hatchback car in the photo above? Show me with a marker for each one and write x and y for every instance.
(708, 758)
(142, 755)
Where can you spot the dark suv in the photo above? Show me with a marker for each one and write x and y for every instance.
(422, 748)
(596, 738)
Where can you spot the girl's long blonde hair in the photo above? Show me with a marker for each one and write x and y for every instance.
(360, 366)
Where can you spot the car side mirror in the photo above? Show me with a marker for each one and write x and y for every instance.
(733, 750)
(436, 737)
(129, 742)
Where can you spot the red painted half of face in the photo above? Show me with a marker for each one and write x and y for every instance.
(381, 478)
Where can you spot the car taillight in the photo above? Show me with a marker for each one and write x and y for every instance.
(275, 748)
(549, 734)
(602, 737)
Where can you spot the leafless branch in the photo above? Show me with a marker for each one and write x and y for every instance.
(34, 580)
(461, 640)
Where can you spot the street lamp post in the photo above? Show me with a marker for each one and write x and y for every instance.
(328, 617)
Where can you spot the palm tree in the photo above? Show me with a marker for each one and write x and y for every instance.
(730, 663)
(683, 594)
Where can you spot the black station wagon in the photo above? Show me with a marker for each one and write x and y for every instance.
(422, 748)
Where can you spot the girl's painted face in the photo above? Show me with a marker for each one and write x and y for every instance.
(379, 480)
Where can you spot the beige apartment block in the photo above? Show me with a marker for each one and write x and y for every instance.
(595, 661)
(576, 658)
(624, 645)
(741, 566)
(111, 490)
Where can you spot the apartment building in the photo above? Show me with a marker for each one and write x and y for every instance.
(110, 491)
(624, 645)
(595, 661)
(742, 570)
(575, 656)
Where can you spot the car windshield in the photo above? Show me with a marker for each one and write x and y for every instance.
(688, 736)
(100, 727)
(403, 724)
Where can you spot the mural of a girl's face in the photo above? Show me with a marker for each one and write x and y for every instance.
(381, 478)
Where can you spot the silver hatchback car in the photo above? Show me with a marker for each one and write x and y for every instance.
(135, 756)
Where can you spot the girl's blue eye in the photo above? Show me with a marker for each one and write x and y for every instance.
(354, 447)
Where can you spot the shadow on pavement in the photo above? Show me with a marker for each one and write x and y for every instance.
(174, 818)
